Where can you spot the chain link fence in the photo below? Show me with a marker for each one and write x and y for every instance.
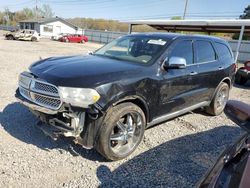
(8, 28)
(244, 52)
(102, 36)
(107, 36)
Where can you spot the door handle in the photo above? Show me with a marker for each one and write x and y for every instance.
(220, 68)
(193, 73)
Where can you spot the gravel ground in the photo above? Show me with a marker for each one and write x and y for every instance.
(173, 154)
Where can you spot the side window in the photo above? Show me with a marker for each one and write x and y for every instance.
(223, 51)
(183, 49)
(205, 51)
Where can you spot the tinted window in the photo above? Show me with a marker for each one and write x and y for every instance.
(205, 52)
(223, 50)
(184, 49)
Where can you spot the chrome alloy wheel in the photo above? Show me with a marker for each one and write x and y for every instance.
(222, 98)
(126, 133)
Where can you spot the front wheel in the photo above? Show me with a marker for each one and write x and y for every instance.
(122, 131)
(219, 101)
(10, 37)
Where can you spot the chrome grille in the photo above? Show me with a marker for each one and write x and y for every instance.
(24, 92)
(24, 81)
(45, 88)
(47, 102)
(39, 92)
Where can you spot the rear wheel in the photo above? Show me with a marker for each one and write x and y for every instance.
(240, 79)
(122, 131)
(67, 40)
(83, 41)
(219, 101)
(10, 37)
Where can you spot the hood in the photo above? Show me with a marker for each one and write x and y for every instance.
(83, 71)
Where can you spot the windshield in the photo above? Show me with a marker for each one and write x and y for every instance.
(140, 49)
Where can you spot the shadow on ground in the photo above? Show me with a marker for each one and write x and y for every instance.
(178, 163)
(245, 86)
(19, 122)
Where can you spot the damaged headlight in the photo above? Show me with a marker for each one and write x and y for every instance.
(81, 97)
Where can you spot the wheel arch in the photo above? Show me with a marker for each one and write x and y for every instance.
(137, 100)
(226, 80)
(8, 35)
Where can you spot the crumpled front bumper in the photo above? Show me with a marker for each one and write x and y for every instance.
(33, 106)
(52, 124)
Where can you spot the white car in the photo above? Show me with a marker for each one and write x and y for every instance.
(24, 34)
(58, 36)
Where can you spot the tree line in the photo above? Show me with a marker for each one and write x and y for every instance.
(8, 17)
(45, 11)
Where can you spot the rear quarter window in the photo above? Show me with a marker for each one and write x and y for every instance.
(223, 51)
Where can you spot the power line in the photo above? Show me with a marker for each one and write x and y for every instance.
(19, 4)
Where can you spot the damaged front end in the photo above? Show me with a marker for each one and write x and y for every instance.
(57, 117)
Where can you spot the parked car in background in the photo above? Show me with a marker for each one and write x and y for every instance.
(106, 100)
(74, 38)
(243, 74)
(25, 34)
(232, 169)
(58, 36)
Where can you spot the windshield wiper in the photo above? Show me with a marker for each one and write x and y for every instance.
(109, 56)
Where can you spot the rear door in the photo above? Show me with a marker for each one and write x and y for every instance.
(209, 67)
(178, 85)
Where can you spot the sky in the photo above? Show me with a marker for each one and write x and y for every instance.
(136, 9)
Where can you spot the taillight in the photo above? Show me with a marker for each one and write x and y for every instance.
(234, 67)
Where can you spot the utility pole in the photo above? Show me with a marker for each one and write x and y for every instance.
(36, 9)
(185, 10)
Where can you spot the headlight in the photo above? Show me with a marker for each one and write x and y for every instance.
(81, 97)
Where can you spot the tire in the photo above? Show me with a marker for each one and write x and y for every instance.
(10, 37)
(219, 101)
(83, 41)
(240, 79)
(122, 131)
(67, 40)
(33, 39)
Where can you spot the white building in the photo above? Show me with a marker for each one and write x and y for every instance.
(48, 27)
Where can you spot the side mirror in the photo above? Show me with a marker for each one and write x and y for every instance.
(239, 113)
(90, 53)
(175, 63)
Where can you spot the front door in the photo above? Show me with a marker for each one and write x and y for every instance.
(177, 87)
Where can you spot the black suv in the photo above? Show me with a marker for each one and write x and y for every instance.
(106, 100)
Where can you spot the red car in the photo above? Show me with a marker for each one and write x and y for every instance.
(74, 38)
(243, 74)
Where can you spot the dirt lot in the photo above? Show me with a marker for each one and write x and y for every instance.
(174, 154)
